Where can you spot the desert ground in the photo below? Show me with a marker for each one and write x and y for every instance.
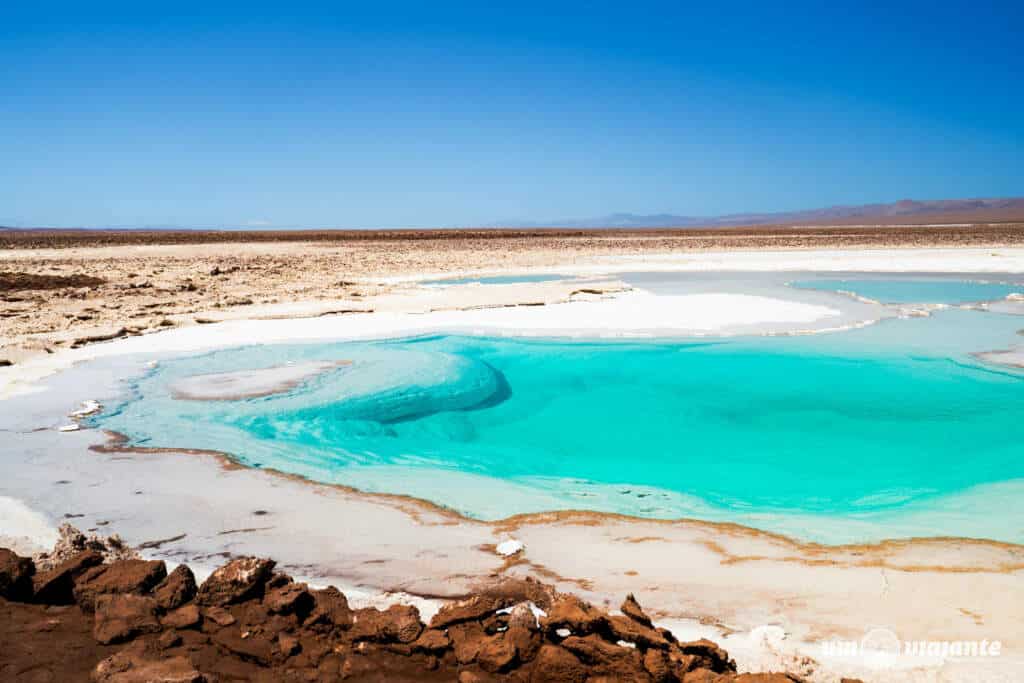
(61, 289)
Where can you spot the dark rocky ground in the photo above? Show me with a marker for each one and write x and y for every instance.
(964, 233)
(80, 617)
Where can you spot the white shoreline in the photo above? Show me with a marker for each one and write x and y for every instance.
(628, 314)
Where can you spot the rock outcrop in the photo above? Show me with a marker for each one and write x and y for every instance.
(134, 622)
(16, 574)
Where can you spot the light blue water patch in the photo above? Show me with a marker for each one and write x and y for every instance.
(944, 291)
(762, 431)
(499, 279)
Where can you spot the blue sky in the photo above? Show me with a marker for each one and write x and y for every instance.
(450, 114)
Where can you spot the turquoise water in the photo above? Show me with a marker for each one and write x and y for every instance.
(917, 291)
(498, 279)
(798, 434)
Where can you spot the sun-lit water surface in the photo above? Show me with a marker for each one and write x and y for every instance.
(905, 291)
(835, 437)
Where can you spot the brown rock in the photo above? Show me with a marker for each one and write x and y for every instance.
(557, 665)
(168, 639)
(709, 656)
(624, 628)
(606, 658)
(497, 654)
(184, 617)
(128, 667)
(398, 623)
(473, 609)
(124, 576)
(657, 664)
(236, 581)
(250, 647)
(467, 639)
(330, 608)
(15, 576)
(219, 616)
(432, 640)
(56, 586)
(631, 608)
(568, 611)
(121, 617)
(288, 644)
(292, 598)
(176, 589)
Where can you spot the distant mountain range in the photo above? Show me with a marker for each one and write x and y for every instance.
(904, 212)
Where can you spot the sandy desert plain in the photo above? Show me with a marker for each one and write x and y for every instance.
(81, 310)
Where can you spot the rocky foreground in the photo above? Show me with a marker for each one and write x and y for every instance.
(83, 616)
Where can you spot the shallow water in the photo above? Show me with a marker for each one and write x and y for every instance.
(905, 291)
(807, 435)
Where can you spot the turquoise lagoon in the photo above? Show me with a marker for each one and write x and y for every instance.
(912, 291)
(888, 431)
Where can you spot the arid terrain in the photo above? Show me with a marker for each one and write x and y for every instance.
(92, 610)
(65, 288)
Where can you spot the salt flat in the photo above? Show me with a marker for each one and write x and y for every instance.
(724, 580)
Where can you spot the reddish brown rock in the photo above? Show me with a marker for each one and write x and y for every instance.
(604, 658)
(631, 608)
(497, 654)
(168, 639)
(657, 664)
(473, 609)
(176, 589)
(396, 624)
(236, 581)
(15, 576)
(288, 644)
(554, 664)
(56, 586)
(278, 630)
(330, 608)
(568, 611)
(219, 616)
(186, 616)
(624, 628)
(432, 640)
(121, 617)
(248, 646)
(129, 667)
(709, 656)
(291, 598)
(124, 576)
(467, 639)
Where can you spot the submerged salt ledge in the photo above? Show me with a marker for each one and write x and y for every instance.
(626, 314)
(257, 383)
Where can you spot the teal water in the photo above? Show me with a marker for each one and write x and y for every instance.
(792, 434)
(498, 279)
(943, 291)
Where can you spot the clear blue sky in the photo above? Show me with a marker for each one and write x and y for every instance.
(393, 114)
